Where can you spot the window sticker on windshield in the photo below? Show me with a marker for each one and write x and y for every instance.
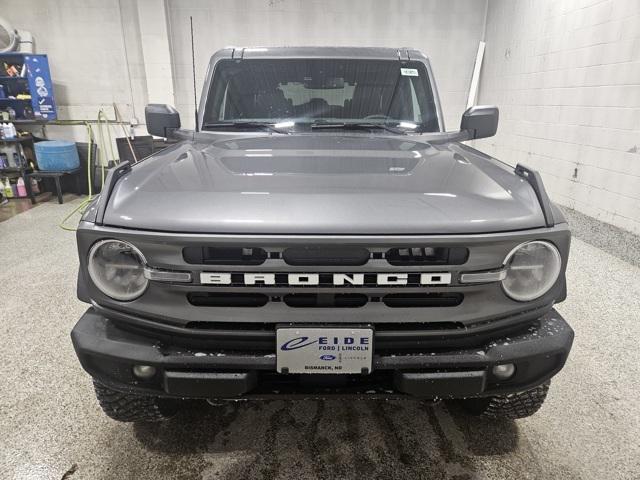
(409, 72)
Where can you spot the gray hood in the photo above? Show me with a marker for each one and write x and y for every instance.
(322, 184)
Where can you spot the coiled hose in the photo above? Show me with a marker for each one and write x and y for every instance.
(102, 121)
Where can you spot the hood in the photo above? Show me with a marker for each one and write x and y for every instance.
(322, 184)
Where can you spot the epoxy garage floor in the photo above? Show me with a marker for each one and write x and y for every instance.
(52, 428)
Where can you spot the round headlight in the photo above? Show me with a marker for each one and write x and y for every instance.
(117, 269)
(532, 269)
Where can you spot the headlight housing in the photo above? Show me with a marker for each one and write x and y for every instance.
(117, 269)
(532, 269)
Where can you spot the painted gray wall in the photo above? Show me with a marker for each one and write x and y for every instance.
(448, 31)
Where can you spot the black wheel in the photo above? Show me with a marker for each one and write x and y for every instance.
(127, 407)
(511, 406)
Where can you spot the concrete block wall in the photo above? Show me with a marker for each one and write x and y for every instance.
(566, 76)
(448, 31)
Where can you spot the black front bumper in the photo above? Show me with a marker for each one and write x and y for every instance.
(108, 353)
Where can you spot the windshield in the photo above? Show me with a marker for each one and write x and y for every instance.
(322, 91)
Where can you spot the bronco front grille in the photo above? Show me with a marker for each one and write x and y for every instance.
(318, 279)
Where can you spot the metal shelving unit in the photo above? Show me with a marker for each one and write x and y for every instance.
(31, 76)
(24, 170)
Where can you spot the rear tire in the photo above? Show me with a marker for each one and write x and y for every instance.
(128, 407)
(509, 406)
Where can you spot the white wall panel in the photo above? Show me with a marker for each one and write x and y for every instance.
(566, 76)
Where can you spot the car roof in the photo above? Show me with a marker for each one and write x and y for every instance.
(380, 53)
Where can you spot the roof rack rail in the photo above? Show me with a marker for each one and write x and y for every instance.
(535, 180)
(113, 176)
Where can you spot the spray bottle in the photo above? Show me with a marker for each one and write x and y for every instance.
(22, 190)
(35, 188)
(8, 191)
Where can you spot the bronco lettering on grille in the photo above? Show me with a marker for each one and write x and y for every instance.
(337, 279)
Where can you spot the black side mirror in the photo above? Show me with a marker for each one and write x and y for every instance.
(480, 121)
(161, 119)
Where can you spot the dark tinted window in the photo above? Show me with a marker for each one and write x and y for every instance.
(312, 90)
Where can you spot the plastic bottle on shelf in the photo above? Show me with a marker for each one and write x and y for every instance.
(8, 191)
(22, 189)
(7, 130)
(35, 188)
(11, 128)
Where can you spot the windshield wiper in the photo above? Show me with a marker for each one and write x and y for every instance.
(359, 126)
(245, 124)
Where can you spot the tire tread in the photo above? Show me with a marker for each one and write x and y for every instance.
(510, 406)
(517, 405)
(126, 407)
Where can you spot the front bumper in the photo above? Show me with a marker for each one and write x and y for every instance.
(108, 353)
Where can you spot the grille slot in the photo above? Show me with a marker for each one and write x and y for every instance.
(233, 326)
(379, 327)
(311, 300)
(211, 299)
(427, 256)
(326, 255)
(418, 300)
(324, 300)
(224, 255)
(418, 327)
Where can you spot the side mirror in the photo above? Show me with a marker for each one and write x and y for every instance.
(480, 121)
(161, 119)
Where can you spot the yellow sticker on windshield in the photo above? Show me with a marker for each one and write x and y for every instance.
(409, 72)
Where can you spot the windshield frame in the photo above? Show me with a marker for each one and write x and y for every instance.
(228, 54)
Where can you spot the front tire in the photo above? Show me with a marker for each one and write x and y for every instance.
(128, 407)
(509, 406)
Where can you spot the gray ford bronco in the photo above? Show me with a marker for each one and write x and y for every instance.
(320, 233)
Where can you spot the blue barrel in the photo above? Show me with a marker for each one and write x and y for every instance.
(57, 156)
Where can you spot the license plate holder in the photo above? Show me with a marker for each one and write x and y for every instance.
(324, 350)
